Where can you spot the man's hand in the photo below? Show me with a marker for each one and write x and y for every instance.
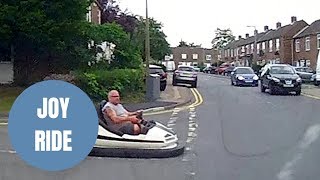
(134, 119)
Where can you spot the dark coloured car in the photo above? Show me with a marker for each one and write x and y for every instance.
(244, 76)
(163, 75)
(280, 78)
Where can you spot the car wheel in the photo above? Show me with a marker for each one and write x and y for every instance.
(262, 88)
(163, 87)
(272, 89)
(194, 84)
(298, 93)
(174, 83)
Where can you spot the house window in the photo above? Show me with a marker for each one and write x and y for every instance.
(258, 47)
(184, 56)
(228, 52)
(195, 56)
(248, 50)
(225, 53)
(251, 48)
(263, 46)
(208, 57)
(297, 45)
(232, 52)
(318, 41)
(277, 44)
(99, 16)
(307, 44)
(235, 52)
(270, 46)
(89, 19)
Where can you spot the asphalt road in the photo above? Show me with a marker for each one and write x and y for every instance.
(237, 133)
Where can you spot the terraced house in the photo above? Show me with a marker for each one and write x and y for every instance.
(273, 45)
(307, 45)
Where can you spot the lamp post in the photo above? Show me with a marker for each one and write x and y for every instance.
(255, 45)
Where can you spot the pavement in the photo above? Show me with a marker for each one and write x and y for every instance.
(172, 97)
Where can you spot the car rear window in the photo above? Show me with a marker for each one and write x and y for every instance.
(244, 71)
(186, 69)
(281, 70)
(156, 71)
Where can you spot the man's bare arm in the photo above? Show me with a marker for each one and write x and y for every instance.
(118, 119)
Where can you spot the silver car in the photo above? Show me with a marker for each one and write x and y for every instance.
(305, 73)
(186, 75)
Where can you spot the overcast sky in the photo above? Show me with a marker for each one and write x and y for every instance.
(196, 20)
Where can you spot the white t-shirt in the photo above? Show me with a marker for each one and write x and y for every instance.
(119, 109)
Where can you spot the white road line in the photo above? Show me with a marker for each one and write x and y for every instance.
(311, 135)
(8, 151)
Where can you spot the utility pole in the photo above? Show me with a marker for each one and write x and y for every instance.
(147, 42)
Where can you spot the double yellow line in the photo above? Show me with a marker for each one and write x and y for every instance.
(197, 96)
(198, 101)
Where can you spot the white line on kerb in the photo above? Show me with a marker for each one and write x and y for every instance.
(311, 135)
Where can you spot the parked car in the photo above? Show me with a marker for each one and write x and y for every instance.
(163, 75)
(222, 68)
(244, 76)
(280, 78)
(207, 69)
(315, 79)
(305, 73)
(185, 74)
(228, 71)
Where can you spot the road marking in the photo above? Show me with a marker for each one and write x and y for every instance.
(3, 124)
(8, 151)
(198, 101)
(311, 135)
(310, 96)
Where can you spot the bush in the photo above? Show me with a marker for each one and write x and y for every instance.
(97, 83)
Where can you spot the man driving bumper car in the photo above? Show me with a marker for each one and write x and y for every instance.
(119, 119)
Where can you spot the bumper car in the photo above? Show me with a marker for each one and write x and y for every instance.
(155, 141)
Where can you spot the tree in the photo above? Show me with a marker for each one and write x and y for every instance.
(43, 36)
(159, 47)
(222, 38)
(112, 13)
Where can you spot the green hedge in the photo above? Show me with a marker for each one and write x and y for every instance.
(97, 83)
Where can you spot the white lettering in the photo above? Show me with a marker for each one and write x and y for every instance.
(39, 140)
(64, 106)
(43, 114)
(56, 140)
(67, 140)
(53, 108)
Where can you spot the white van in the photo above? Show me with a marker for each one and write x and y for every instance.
(317, 75)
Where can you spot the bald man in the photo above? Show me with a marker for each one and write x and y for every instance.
(118, 117)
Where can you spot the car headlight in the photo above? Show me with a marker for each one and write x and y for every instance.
(299, 80)
(240, 78)
(276, 80)
(255, 77)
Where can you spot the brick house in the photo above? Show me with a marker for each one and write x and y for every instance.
(194, 56)
(94, 12)
(306, 45)
(276, 45)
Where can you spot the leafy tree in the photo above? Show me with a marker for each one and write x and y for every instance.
(222, 38)
(159, 47)
(43, 35)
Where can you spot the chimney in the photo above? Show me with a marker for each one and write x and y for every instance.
(293, 19)
(255, 32)
(240, 37)
(266, 28)
(247, 35)
(278, 24)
